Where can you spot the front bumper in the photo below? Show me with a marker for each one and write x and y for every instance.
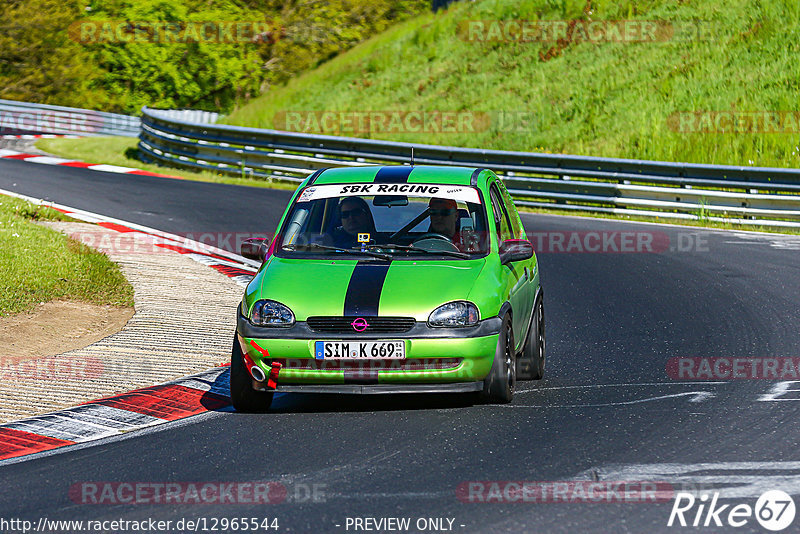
(377, 389)
(472, 347)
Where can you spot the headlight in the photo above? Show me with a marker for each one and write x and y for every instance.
(271, 313)
(459, 313)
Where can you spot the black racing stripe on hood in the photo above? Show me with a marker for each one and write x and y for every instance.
(364, 290)
(316, 175)
(393, 175)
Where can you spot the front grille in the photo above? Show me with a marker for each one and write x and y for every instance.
(376, 325)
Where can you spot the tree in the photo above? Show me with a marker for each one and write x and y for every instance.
(38, 61)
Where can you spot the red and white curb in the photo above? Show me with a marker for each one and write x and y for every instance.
(232, 265)
(114, 416)
(140, 408)
(50, 160)
(40, 136)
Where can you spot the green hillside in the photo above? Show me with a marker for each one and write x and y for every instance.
(119, 55)
(575, 95)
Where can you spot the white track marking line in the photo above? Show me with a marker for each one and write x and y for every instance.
(697, 396)
(734, 485)
(779, 389)
(587, 386)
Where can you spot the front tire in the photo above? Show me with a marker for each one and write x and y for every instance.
(530, 365)
(498, 386)
(243, 396)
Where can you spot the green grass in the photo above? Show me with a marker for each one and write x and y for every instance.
(610, 99)
(122, 151)
(38, 264)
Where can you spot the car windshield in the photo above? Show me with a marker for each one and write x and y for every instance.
(385, 221)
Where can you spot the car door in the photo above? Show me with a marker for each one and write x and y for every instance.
(514, 272)
(518, 230)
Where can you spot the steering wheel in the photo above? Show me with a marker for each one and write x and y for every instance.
(438, 238)
(433, 235)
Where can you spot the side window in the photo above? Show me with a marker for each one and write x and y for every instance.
(501, 220)
(516, 222)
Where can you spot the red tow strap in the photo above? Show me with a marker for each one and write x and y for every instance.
(272, 383)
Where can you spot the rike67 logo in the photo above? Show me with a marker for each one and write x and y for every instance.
(774, 510)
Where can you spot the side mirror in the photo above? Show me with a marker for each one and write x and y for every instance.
(255, 248)
(512, 250)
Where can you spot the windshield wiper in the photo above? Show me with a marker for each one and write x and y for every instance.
(463, 255)
(354, 251)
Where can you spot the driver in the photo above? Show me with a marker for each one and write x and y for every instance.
(444, 217)
(356, 218)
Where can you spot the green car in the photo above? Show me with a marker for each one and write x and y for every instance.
(395, 279)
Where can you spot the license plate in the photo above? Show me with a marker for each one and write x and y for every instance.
(360, 350)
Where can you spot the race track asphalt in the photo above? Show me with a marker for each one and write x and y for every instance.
(607, 410)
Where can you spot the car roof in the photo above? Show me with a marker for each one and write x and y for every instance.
(416, 174)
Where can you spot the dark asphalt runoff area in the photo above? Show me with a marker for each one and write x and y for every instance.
(608, 411)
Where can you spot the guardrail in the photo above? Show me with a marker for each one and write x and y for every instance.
(745, 195)
(190, 115)
(29, 118)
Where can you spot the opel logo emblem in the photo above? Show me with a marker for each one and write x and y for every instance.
(359, 325)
